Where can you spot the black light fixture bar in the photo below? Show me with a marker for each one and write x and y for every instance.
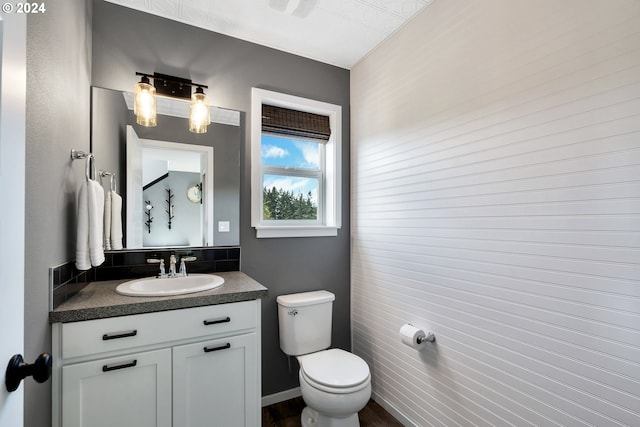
(175, 87)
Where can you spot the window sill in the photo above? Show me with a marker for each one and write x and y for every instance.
(267, 232)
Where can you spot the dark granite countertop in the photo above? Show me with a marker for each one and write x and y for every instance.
(99, 300)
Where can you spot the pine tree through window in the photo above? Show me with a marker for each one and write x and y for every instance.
(292, 177)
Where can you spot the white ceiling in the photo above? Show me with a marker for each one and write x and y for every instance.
(337, 32)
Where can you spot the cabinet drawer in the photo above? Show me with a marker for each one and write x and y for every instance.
(126, 332)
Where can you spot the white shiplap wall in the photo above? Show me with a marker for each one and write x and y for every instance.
(496, 202)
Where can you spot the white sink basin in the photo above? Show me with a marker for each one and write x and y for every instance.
(153, 286)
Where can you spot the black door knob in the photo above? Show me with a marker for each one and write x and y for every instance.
(17, 370)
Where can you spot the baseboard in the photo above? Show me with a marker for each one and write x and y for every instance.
(281, 397)
(393, 410)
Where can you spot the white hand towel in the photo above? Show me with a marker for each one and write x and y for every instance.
(107, 220)
(89, 249)
(95, 195)
(83, 262)
(116, 221)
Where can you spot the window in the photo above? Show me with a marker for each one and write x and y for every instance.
(295, 166)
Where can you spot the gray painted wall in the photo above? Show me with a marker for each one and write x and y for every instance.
(58, 81)
(126, 41)
(60, 71)
(109, 135)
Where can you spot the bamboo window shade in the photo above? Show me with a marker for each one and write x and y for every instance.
(284, 121)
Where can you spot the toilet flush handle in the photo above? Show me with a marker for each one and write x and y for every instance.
(293, 312)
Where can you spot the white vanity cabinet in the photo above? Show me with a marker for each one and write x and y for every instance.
(188, 367)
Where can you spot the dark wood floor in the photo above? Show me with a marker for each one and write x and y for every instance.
(287, 414)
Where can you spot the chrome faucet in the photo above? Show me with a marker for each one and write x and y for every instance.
(172, 266)
(183, 266)
(161, 273)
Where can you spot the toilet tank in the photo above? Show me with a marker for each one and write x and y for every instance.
(305, 322)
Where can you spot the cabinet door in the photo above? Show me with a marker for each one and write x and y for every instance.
(126, 391)
(215, 383)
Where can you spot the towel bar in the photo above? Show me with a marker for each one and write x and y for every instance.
(112, 179)
(79, 154)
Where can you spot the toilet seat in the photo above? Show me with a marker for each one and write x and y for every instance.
(334, 371)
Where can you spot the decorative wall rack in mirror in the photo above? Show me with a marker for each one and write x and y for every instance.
(191, 182)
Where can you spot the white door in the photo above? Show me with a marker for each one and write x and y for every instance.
(215, 383)
(125, 391)
(13, 34)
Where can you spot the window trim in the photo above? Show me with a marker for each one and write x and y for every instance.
(332, 185)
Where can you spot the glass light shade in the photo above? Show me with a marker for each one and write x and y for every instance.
(199, 112)
(144, 105)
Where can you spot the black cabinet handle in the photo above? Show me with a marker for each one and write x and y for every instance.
(117, 335)
(216, 321)
(17, 370)
(222, 347)
(107, 368)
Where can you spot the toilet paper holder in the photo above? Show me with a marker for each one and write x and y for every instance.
(415, 337)
(429, 337)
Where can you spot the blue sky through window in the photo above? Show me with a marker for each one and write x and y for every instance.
(279, 151)
(294, 153)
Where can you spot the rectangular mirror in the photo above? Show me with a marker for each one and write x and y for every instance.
(198, 173)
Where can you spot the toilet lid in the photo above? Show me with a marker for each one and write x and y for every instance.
(334, 368)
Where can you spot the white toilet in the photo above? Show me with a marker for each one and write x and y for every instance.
(335, 384)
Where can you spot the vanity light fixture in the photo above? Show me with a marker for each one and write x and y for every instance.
(144, 104)
(173, 87)
(199, 112)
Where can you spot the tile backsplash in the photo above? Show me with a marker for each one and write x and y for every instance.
(65, 280)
